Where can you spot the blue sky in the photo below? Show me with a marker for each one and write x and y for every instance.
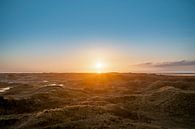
(138, 30)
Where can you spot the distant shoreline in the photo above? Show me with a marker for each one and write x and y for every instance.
(176, 74)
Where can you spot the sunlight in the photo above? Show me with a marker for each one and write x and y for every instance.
(99, 66)
(99, 72)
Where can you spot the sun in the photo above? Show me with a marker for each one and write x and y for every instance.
(99, 66)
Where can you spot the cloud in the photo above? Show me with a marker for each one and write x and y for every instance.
(168, 64)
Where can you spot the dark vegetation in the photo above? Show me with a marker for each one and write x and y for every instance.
(97, 101)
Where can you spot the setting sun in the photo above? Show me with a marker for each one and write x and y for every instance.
(99, 66)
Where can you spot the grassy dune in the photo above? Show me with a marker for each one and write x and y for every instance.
(96, 101)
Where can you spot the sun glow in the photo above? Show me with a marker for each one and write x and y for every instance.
(99, 66)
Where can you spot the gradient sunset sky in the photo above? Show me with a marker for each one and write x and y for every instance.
(73, 35)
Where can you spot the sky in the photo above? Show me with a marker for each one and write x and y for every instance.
(75, 35)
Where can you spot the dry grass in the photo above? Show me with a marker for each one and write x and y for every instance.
(97, 101)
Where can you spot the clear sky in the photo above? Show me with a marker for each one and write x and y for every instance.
(73, 35)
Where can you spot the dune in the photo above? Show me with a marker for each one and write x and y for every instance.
(88, 101)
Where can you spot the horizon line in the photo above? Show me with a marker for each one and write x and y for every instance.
(105, 72)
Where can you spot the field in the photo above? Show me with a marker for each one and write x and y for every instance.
(96, 101)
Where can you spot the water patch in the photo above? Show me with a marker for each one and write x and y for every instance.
(45, 81)
(53, 84)
(4, 89)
